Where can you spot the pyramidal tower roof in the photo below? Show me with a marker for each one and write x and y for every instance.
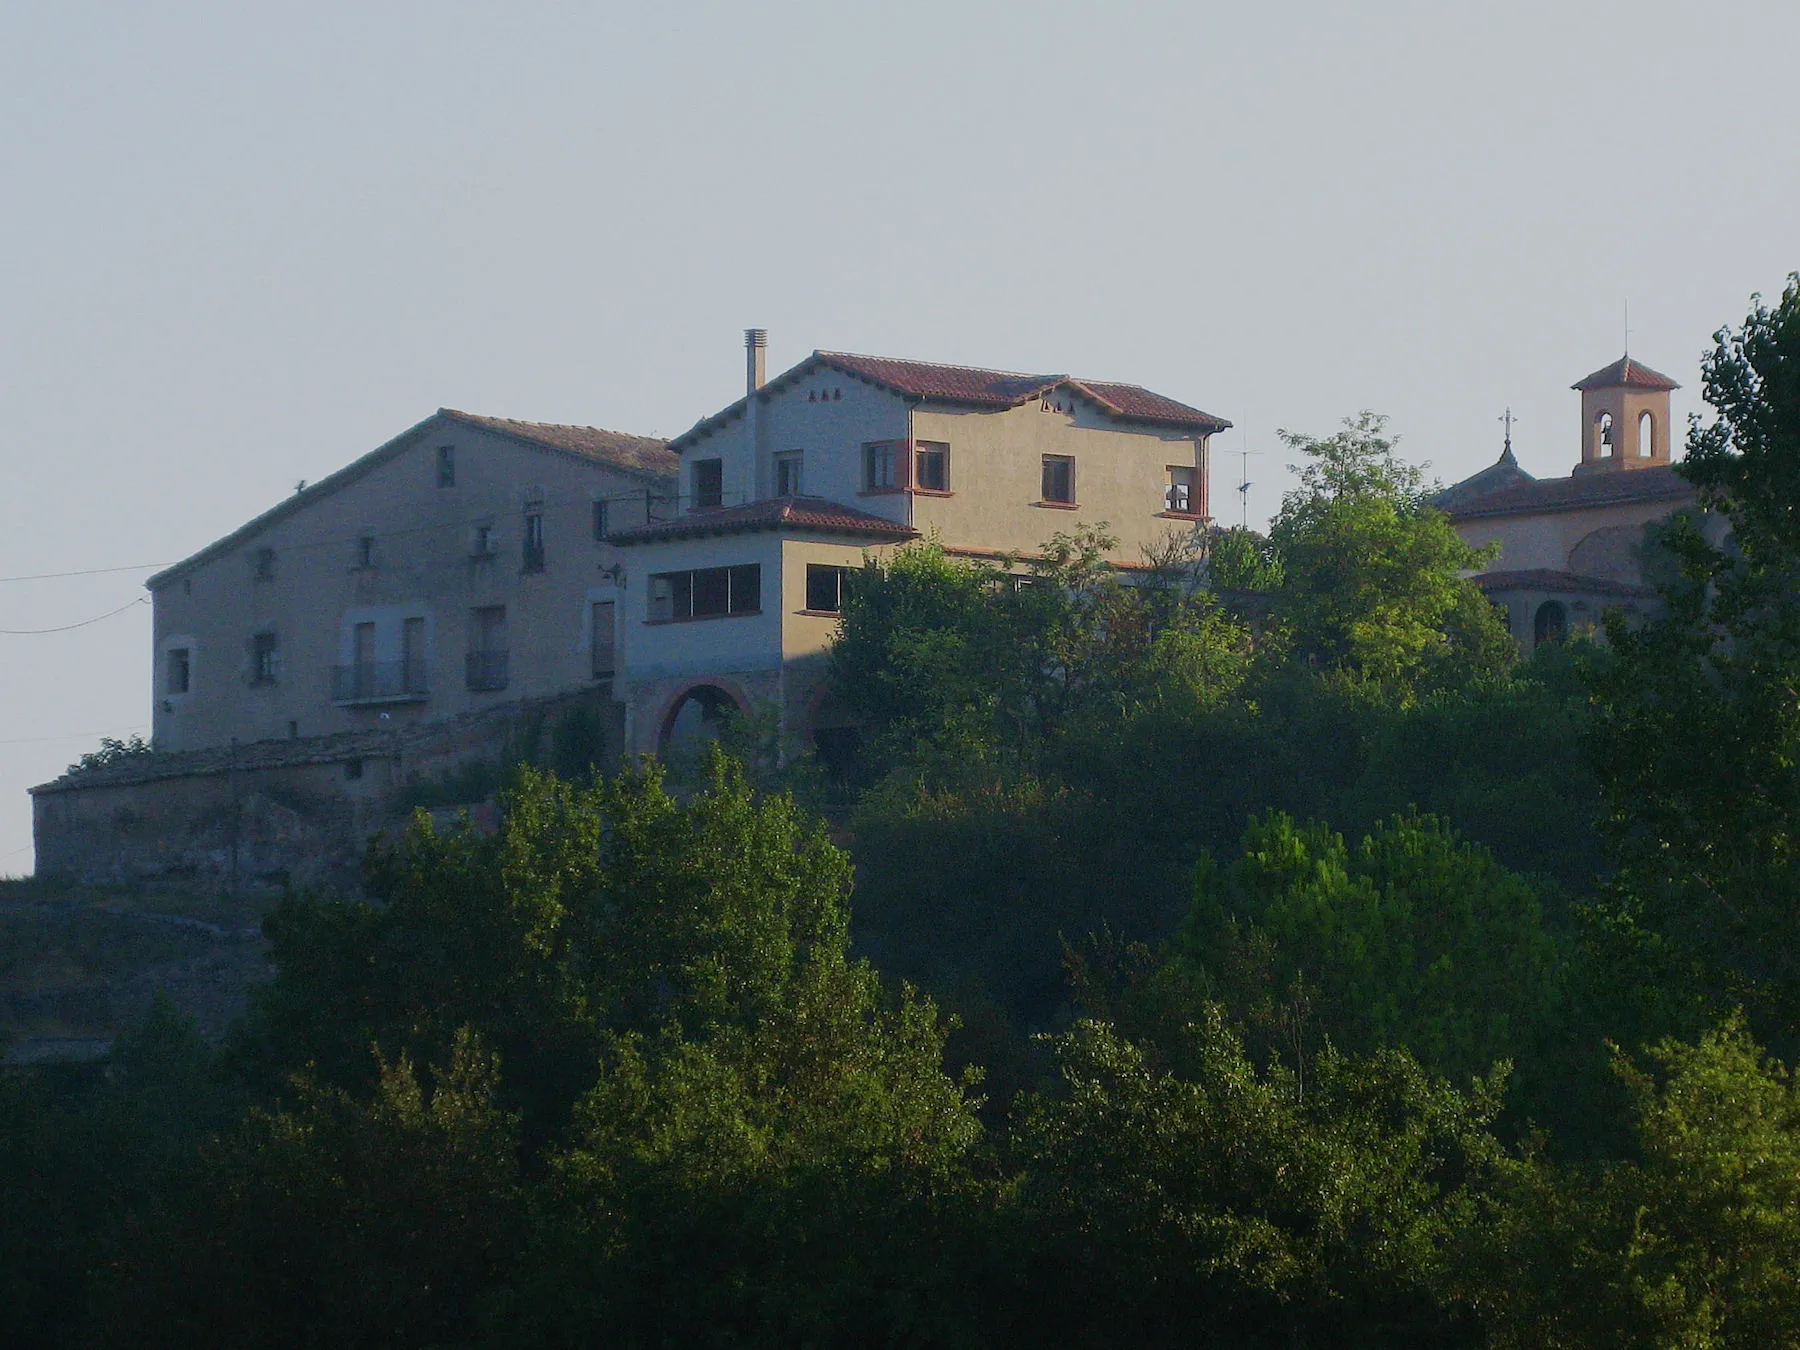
(1626, 374)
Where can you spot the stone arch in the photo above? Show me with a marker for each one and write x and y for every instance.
(1604, 443)
(693, 712)
(1646, 435)
(1550, 624)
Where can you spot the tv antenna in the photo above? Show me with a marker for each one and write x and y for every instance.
(1244, 484)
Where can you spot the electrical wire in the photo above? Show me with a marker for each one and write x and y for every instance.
(69, 627)
(90, 572)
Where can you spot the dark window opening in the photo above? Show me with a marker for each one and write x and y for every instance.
(931, 464)
(446, 466)
(825, 588)
(709, 484)
(353, 768)
(532, 559)
(481, 541)
(1059, 479)
(485, 667)
(265, 564)
(1551, 623)
(881, 464)
(600, 524)
(180, 671)
(706, 593)
(1179, 497)
(787, 474)
(262, 659)
(603, 639)
(365, 551)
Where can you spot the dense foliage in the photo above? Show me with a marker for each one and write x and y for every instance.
(1321, 976)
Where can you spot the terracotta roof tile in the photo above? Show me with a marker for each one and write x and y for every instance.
(1626, 374)
(806, 514)
(976, 387)
(1601, 488)
(640, 454)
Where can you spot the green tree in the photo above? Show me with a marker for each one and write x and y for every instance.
(1254, 1207)
(1692, 1242)
(1372, 576)
(1698, 730)
(1413, 938)
(345, 1220)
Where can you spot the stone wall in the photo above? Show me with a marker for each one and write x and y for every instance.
(299, 811)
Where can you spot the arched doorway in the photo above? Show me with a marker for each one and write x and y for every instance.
(1551, 623)
(694, 721)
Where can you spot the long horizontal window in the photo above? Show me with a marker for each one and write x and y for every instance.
(706, 593)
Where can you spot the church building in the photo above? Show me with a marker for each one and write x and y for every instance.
(1572, 548)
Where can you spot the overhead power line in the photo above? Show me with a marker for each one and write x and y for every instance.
(68, 627)
(89, 572)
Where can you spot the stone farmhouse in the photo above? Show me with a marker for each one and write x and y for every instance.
(434, 603)
(1571, 548)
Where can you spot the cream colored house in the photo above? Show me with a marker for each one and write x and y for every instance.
(732, 604)
(1571, 548)
(465, 563)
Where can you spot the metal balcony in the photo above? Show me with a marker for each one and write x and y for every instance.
(379, 682)
(485, 671)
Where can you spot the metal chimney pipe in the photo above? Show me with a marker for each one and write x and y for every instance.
(756, 350)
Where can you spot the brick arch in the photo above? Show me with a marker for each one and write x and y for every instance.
(671, 706)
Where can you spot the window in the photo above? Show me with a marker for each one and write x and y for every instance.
(179, 672)
(1604, 422)
(1178, 497)
(1646, 436)
(708, 593)
(881, 465)
(412, 655)
(262, 659)
(600, 520)
(481, 540)
(709, 484)
(365, 552)
(787, 474)
(264, 566)
(532, 559)
(1059, 479)
(353, 768)
(487, 659)
(825, 588)
(602, 641)
(931, 466)
(446, 466)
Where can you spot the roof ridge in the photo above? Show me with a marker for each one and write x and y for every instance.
(550, 426)
(943, 365)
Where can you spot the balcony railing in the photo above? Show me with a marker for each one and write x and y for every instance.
(486, 671)
(379, 682)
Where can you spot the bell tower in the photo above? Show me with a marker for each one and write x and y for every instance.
(1624, 418)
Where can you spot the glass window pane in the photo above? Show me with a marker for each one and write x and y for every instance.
(746, 589)
(712, 591)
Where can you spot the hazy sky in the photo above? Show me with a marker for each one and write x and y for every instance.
(241, 244)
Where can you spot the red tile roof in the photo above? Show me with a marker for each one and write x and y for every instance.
(639, 454)
(1545, 579)
(1626, 374)
(1604, 487)
(811, 515)
(977, 387)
